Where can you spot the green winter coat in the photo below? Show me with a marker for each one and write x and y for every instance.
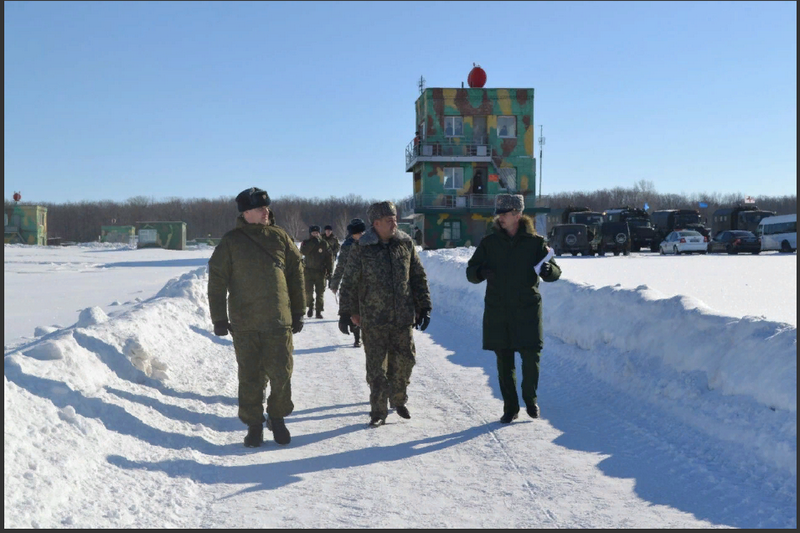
(317, 255)
(344, 253)
(512, 315)
(384, 283)
(333, 243)
(260, 295)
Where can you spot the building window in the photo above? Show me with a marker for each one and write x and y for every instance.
(453, 177)
(507, 126)
(453, 126)
(451, 230)
(507, 179)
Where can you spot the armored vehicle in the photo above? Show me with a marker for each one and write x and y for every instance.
(740, 217)
(641, 228)
(573, 239)
(614, 237)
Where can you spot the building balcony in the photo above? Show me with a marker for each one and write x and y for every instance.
(454, 203)
(446, 152)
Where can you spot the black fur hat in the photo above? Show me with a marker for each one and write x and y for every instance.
(356, 226)
(252, 198)
(329, 227)
(312, 229)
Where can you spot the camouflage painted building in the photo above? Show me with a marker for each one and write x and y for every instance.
(169, 235)
(472, 144)
(25, 224)
(126, 234)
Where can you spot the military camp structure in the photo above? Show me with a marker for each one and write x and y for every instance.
(472, 144)
(25, 224)
(125, 234)
(168, 235)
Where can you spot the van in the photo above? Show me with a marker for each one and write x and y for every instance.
(778, 233)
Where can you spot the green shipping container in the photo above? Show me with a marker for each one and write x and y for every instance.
(168, 235)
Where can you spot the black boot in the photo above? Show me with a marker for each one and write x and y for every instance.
(377, 420)
(357, 335)
(255, 436)
(402, 410)
(508, 417)
(310, 312)
(533, 409)
(279, 430)
(319, 314)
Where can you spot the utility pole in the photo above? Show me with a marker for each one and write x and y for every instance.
(541, 143)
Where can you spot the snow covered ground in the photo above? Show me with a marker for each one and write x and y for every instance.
(668, 397)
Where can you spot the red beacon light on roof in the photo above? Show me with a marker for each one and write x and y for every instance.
(477, 76)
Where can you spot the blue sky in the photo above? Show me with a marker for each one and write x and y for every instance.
(111, 100)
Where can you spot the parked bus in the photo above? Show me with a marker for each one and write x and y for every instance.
(778, 233)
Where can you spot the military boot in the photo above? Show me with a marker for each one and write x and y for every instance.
(357, 335)
(533, 409)
(402, 411)
(508, 417)
(377, 420)
(279, 430)
(310, 312)
(319, 314)
(255, 436)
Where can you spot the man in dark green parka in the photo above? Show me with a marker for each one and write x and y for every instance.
(512, 318)
(255, 291)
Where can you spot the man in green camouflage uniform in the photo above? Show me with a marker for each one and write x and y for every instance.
(512, 318)
(255, 277)
(384, 290)
(332, 241)
(318, 268)
(355, 229)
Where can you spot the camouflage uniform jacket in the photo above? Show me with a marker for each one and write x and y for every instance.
(333, 242)
(246, 284)
(344, 253)
(512, 316)
(384, 283)
(317, 254)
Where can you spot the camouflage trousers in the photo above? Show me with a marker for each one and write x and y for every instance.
(264, 357)
(507, 375)
(390, 357)
(315, 280)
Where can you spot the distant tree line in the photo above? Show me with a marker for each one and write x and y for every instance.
(81, 221)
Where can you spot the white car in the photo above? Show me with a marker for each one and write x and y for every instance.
(684, 242)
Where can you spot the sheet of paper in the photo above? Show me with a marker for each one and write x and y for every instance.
(548, 257)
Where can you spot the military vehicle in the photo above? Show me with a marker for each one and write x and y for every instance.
(641, 227)
(573, 239)
(613, 237)
(668, 220)
(744, 217)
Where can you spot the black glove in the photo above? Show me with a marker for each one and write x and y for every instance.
(297, 323)
(344, 324)
(486, 273)
(547, 269)
(423, 319)
(221, 328)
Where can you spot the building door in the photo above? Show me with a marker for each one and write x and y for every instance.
(479, 130)
(479, 181)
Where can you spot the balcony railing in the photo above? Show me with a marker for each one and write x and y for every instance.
(447, 151)
(467, 201)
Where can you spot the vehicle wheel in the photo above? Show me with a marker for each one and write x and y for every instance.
(661, 251)
(655, 248)
(574, 254)
(786, 247)
(729, 249)
(626, 252)
(757, 252)
(636, 249)
(675, 249)
(558, 254)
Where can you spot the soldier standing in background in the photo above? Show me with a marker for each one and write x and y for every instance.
(318, 268)
(384, 290)
(332, 241)
(512, 317)
(355, 229)
(255, 292)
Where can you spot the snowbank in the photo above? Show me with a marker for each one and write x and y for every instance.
(748, 356)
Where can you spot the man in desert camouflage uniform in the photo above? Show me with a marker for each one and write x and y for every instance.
(384, 290)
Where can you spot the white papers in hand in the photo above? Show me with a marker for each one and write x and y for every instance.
(548, 257)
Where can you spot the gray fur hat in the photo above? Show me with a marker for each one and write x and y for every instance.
(509, 202)
(380, 210)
